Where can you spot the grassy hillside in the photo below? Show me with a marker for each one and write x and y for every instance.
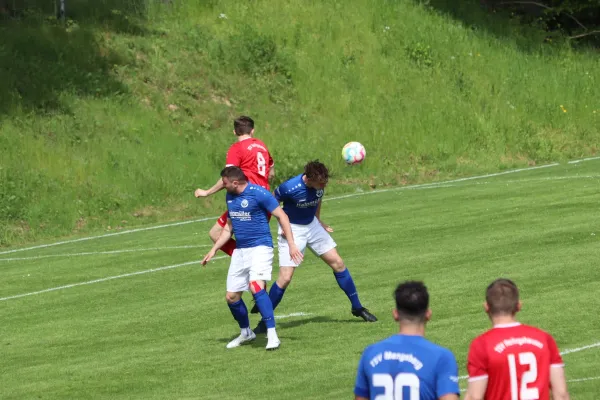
(114, 118)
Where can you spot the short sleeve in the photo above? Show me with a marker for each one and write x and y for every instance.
(267, 201)
(271, 161)
(477, 361)
(447, 375)
(361, 386)
(279, 193)
(233, 157)
(555, 357)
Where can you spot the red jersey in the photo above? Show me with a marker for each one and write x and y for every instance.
(516, 360)
(252, 156)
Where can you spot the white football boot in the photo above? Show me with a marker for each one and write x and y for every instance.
(246, 337)
(273, 341)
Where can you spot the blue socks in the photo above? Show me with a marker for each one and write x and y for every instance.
(276, 294)
(265, 307)
(240, 313)
(344, 280)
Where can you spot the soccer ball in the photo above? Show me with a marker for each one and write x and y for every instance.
(353, 153)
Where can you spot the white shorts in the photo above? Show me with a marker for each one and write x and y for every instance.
(247, 265)
(313, 235)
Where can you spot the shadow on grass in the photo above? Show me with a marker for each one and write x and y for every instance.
(42, 58)
(527, 24)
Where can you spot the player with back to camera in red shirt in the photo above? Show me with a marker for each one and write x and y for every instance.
(513, 361)
(253, 158)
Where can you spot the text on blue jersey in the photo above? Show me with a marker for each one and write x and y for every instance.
(248, 214)
(300, 202)
(410, 365)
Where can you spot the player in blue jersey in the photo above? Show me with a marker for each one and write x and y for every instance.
(408, 366)
(251, 265)
(301, 197)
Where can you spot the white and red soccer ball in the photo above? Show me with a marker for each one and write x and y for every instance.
(353, 153)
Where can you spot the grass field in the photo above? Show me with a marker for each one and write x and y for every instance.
(133, 315)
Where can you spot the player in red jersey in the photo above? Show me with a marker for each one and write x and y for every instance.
(251, 156)
(513, 361)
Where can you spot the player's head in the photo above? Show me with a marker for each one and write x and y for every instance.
(502, 298)
(234, 179)
(317, 174)
(243, 126)
(412, 303)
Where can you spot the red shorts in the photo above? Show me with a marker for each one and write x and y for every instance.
(222, 221)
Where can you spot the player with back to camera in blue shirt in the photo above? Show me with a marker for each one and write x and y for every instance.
(301, 197)
(406, 365)
(248, 206)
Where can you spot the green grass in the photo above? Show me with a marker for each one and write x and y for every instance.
(114, 119)
(162, 334)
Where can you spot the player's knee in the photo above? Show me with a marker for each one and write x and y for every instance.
(284, 281)
(232, 297)
(337, 264)
(285, 276)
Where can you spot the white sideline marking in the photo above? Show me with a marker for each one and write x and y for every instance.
(294, 314)
(434, 184)
(424, 185)
(562, 353)
(41, 246)
(584, 379)
(569, 351)
(583, 159)
(17, 296)
(442, 183)
(91, 253)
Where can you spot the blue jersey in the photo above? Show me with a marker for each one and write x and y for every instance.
(409, 365)
(300, 202)
(248, 213)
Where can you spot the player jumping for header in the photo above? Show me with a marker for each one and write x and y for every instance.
(254, 159)
(248, 206)
(301, 197)
(512, 361)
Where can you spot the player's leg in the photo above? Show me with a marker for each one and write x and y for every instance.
(237, 282)
(286, 269)
(261, 260)
(323, 245)
(286, 266)
(216, 230)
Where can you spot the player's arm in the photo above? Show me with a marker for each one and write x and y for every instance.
(233, 158)
(477, 367)
(558, 382)
(271, 173)
(284, 221)
(205, 193)
(318, 215)
(271, 168)
(446, 386)
(225, 235)
(361, 383)
(449, 397)
(476, 389)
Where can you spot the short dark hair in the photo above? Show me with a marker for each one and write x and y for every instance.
(243, 125)
(234, 174)
(316, 171)
(502, 297)
(412, 301)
